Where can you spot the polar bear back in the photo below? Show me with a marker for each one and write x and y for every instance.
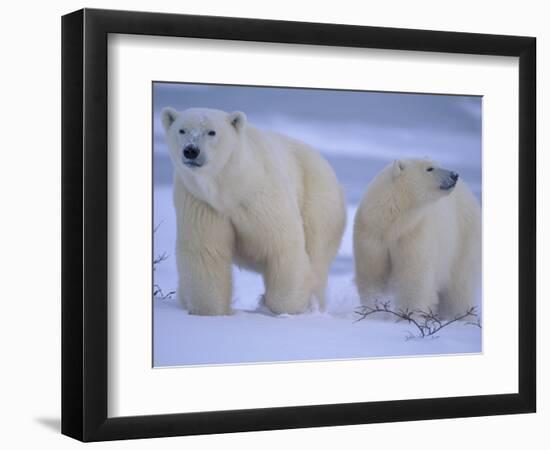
(294, 177)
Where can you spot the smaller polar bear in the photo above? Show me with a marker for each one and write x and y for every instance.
(417, 235)
(259, 199)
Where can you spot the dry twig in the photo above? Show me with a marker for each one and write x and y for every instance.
(157, 290)
(427, 323)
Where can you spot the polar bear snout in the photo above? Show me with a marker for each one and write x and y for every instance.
(192, 156)
(191, 152)
(449, 180)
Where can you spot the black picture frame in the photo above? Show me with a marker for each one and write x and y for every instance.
(84, 224)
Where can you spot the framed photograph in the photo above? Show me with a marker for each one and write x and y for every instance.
(266, 224)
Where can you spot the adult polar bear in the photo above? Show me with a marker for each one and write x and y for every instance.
(417, 235)
(260, 199)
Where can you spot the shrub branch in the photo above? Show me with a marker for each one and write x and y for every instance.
(428, 323)
(158, 293)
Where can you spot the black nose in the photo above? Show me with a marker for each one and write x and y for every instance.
(191, 152)
(454, 176)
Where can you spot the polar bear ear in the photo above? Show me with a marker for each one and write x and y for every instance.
(238, 120)
(397, 168)
(168, 116)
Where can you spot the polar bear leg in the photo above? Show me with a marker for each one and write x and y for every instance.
(205, 283)
(461, 293)
(323, 237)
(204, 258)
(371, 269)
(321, 278)
(287, 281)
(324, 219)
(415, 291)
(413, 276)
(321, 253)
(457, 298)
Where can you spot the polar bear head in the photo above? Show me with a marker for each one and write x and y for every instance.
(201, 141)
(421, 181)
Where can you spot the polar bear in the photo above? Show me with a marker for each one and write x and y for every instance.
(255, 198)
(417, 237)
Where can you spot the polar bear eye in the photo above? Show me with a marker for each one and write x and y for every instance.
(211, 133)
(182, 131)
(429, 169)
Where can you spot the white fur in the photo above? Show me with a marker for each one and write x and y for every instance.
(262, 200)
(418, 242)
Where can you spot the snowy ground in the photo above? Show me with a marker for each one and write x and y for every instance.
(358, 133)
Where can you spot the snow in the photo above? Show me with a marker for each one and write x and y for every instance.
(254, 337)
